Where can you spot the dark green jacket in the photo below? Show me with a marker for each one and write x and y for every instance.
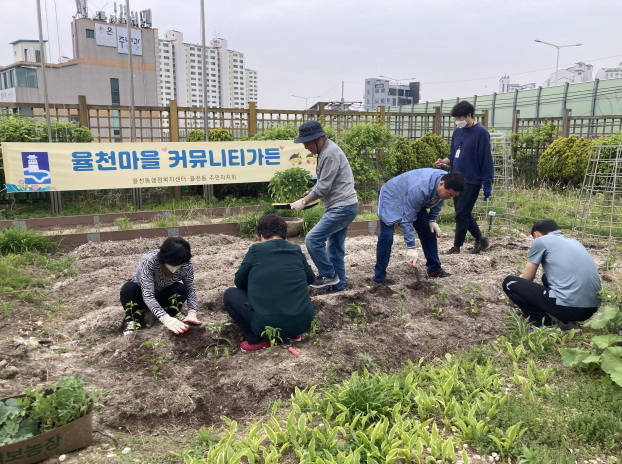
(276, 276)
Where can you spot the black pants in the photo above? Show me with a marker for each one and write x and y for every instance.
(235, 303)
(463, 204)
(131, 292)
(534, 301)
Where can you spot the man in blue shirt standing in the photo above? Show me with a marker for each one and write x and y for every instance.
(407, 199)
(470, 155)
(570, 278)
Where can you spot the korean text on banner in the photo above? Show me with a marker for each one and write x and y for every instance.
(89, 166)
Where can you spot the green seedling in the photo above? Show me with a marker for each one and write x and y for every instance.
(473, 288)
(438, 298)
(273, 334)
(156, 358)
(359, 317)
(219, 346)
(315, 328)
(400, 304)
(133, 316)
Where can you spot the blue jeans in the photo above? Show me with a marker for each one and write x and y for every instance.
(427, 241)
(326, 242)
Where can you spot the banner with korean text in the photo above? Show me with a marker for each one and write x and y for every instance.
(31, 167)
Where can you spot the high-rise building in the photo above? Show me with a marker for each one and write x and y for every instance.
(229, 83)
(506, 87)
(576, 74)
(380, 92)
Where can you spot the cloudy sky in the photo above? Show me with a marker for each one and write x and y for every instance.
(307, 48)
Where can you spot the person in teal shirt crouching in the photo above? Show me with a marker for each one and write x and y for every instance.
(271, 288)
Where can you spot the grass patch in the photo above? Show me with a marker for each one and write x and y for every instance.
(14, 240)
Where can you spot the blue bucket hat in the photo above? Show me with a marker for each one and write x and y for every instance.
(310, 130)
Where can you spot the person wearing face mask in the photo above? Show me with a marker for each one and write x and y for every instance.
(471, 155)
(156, 286)
(414, 199)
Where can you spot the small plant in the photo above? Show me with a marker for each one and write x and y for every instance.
(133, 316)
(438, 298)
(359, 317)
(156, 357)
(473, 288)
(219, 346)
(175, 303)
(123, 223)
(400, 303)
(315, 328)
(14, 240)
(273, 334)
(289, 185)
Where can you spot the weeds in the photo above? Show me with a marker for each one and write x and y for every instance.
(123, 223)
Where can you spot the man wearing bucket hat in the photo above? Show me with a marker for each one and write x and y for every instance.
(335, 186)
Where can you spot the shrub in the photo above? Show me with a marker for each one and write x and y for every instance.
(425, 154)
(219, 135)
(361, 145)
(14, 240)
(408, 156)
(287, 132)
(195, 136)
(289, 185)
(565, 161)
(401, 159)
(528, 146)
(438, 144)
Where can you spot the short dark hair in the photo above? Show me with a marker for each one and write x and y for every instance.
(174, 251)
(271, 225)
(463, 108)
(454, 181)
(544, 226)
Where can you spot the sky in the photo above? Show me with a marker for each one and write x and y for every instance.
(308, 48)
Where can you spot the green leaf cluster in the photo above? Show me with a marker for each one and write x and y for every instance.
(564, 162)
(363, 145)
(610, 358)
(65, 401)
(421, 153)
(286, 132)
(41, 410)
(289, 185)
(219, 135)
(195, 136)
(528, 146)
(14, 240)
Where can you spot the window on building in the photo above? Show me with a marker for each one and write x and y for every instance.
(375, 100)
(377, 91)
(166, 58)
(382, 90)
(90, 33)
(382, 100)
(192, 48)
(114, 91)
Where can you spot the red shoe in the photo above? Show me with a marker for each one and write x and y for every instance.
(247, 347)
(295, 339)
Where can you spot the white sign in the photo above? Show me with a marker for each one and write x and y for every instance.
(8, 95)
(106, 35)
(137, 41)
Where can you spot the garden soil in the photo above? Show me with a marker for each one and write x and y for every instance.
(195, 382)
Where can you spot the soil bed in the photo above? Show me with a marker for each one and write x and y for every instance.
(194, 388)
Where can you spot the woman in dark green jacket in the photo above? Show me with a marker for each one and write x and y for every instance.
(271, 288)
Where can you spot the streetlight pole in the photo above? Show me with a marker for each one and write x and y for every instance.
(557, 47)
(305, 98)
(397, 86)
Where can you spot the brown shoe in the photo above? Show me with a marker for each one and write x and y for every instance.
(453, 251)
(480, 245)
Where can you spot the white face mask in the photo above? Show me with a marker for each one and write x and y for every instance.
(172, 268)
(461, 124)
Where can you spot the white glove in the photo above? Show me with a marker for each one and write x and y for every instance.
(191, 318)
(174, 325)
(297, 205)
(412, 255)
(435, 229)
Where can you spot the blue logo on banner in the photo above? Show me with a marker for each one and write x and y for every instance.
(36, 167)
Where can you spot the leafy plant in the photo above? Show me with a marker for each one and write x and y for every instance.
(248, 224)
(400, 303)
(156, 358)
(289, 185)
(273, 334)
(133, 316)
(310, 217)
(65, 401)
(14, 425)
(604, 351)
(438, 298)
(219, 346)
